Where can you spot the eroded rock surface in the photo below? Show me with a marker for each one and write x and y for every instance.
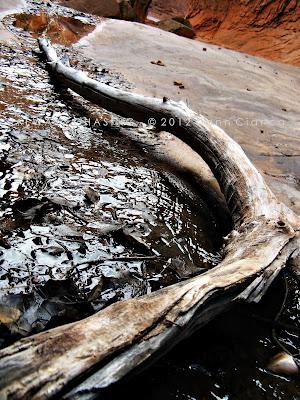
(103, 8)
(169, 8)
(82, 212)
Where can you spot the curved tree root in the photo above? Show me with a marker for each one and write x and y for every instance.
(108, 345)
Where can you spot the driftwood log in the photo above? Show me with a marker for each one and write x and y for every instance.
(75, 361)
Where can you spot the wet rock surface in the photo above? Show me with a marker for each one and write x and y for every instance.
(86, 217)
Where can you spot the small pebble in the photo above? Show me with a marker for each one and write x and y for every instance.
(283, 363)
(69, 156)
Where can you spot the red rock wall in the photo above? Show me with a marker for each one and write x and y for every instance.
(110, 8)
(267, 28)
(169, 8)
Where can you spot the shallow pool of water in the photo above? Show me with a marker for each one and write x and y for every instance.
(87, 216)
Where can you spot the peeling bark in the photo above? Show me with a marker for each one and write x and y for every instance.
(110, 344)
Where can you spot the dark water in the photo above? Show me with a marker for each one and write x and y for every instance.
(227, 359)
(87, 218)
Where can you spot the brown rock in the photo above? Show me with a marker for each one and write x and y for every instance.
(283, 363)
(158, 62)
(179, 26)
(60, 29)
(9, 314)
(179, 84)
(169, 8)
(123, 9)
(104, 8)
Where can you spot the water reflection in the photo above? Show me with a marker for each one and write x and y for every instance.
(84, 206)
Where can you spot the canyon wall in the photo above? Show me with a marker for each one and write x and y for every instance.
(124, 9)
(169, 8)
(267, 28)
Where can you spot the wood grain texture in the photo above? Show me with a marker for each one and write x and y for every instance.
(110, 344)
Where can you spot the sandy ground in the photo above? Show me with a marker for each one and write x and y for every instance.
(256, 101)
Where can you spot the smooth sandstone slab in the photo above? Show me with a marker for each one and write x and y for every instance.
(256, 101)
(9, 7)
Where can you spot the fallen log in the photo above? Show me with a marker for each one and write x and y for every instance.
(76, 360)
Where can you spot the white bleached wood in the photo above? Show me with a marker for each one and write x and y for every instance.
(119, 338)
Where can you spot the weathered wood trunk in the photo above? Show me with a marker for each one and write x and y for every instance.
(119, 338)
